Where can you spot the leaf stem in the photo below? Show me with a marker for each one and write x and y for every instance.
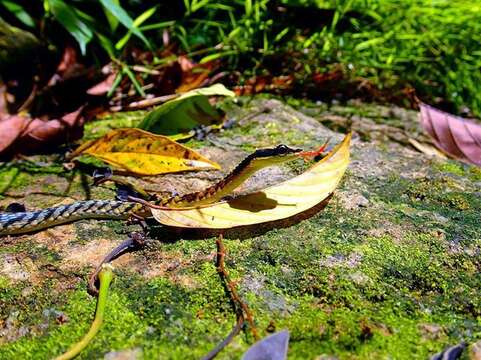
(105, 276)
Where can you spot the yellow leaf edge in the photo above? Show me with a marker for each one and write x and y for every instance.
(336, 161)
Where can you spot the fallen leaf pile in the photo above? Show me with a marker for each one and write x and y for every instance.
(21, 134)
(140, 152)
(454, 135)
(281, 201)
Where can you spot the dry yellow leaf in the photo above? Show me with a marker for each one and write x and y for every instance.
(281, 201)
(140, 152)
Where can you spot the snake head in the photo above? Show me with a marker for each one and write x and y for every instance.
(271, 156)
(286, 150)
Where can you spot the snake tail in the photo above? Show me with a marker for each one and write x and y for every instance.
(30, 221)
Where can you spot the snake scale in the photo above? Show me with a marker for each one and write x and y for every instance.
(30, 221)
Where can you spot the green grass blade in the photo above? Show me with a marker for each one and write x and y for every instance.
(124, 18)
(66, 15)
(19, 13)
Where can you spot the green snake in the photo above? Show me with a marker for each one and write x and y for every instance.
(26, 222)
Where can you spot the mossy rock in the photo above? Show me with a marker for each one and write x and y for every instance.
(389, 269)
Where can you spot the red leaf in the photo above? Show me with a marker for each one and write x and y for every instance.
(454, 135)
(21, 134)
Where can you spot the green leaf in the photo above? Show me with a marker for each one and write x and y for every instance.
(217, 55)
(66, 15)
(106, 44)
(186, 112)
(213, 90)
(113, 21)
(124, 18)
(137, 22)
(19, 13)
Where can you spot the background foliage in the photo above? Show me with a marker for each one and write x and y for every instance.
(431, 45)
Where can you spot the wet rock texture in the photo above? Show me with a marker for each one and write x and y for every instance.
(389, 269)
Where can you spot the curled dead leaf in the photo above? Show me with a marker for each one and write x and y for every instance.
(22, 134)
(454, 135)
(281, 201)
(144, 153)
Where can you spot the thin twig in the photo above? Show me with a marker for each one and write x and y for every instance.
(141, 104)
(232, 288)
(237, 328)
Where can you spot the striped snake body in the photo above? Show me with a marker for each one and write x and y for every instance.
(25, 222)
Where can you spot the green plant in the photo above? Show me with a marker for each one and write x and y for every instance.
(429, 45)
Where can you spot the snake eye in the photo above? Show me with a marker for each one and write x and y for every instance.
(282, 147)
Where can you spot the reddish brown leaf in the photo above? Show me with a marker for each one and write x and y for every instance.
(265, 83)
(194, 75)
(102, 87)
(21, 134)
(10, 129)
(68, 67)
(3, 100)
(454, 135)
(69, 59)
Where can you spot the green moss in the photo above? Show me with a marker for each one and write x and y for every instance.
(457, 201)
(4, 282)
(451, 167)
(102, 126)
(357, 284)
(13, 178)
(475, 173)
(337, 291)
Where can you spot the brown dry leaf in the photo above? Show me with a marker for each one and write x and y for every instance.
(266, 83)
(21, 134)
(194, 75)
(454, 135)
(11, 127)
(281, 201)
(103, 87)
(69, 67)
(144, 153)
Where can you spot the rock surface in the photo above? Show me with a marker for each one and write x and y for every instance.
(389, 269)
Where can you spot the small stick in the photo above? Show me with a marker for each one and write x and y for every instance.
(151, 102)
(241, 309)
(232, 288)
(237, 328)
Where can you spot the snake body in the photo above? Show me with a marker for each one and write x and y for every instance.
(29, 221)
(24, 222)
